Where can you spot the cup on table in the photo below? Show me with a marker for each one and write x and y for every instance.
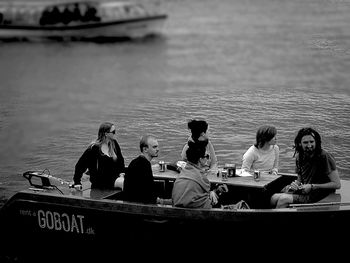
(224, 174)
(161, 166)
(231, 169)
(257, 175)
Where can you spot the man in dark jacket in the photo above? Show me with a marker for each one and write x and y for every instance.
(139, 183)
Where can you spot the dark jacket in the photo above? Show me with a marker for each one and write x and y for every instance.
(139, 183)
(103, 169)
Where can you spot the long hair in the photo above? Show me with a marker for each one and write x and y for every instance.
(264, 134)
(105, 128)
(303, 132)
(197, 127)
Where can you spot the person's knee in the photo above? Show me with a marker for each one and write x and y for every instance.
(283, 201)
(274, 199)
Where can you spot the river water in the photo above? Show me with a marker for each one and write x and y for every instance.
(238, 64)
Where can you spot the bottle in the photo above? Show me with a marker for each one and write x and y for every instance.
(256, 175)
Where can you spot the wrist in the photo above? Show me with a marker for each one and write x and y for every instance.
(312, 187)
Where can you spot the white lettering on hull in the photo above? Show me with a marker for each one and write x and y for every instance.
(52, 220)
(61, 222)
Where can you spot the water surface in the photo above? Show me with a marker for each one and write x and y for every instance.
(238, 64)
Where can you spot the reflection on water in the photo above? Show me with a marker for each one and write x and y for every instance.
(239, 64)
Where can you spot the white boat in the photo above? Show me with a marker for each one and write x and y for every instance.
(79, 19)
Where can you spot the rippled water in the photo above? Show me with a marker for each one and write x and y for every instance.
(239, 64)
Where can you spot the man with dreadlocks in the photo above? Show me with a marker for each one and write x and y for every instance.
(316, 170)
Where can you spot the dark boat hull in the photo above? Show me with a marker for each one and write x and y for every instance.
(71, 223)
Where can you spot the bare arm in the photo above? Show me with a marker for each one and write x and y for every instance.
(247, 160)
(333, 184)
(183, 153)
(214, 160)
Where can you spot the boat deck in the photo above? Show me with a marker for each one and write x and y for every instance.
(340, 197)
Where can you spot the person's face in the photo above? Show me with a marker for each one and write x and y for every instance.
(203, 137)
(111, 132)
(308, 144)
(273, 141)
(204, 160)
(153, 148)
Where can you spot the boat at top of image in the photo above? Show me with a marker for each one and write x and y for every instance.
(79, 19)
(53, 212)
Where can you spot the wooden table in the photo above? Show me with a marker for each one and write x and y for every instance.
(256, 193)
(246, 181)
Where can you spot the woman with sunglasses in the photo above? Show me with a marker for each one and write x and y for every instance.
(102, 159)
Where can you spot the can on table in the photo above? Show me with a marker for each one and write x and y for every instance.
(224, 175)
(161, 166)
(231, 169)
(256, 175)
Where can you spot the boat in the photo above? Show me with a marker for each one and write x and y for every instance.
(64, 222)
(79, 19)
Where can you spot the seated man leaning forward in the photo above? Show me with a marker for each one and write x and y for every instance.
(316, 169)
(192, 187)
(139, 183)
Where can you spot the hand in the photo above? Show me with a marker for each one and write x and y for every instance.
(213, 198)
(221, 189)
(294, 186)
(305, 188)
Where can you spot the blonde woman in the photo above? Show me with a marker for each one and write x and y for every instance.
(103, 159)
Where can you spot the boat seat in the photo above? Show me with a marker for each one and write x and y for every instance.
(340, 195)
(331, 198)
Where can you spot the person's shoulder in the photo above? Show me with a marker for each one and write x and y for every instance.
(135, 159)
(138, 159)
(276, 147)
(93, 146)
(252, 148)
(326, 154)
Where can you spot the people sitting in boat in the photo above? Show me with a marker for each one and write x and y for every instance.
(50, 16)
(198, 129)
(103, 160)
(139, 184)
(90, 15)
(264, 154)
(316, 169)
(76, 13)
(67, 15)
(192, 188)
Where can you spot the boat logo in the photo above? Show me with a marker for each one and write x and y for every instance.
(53, 220)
